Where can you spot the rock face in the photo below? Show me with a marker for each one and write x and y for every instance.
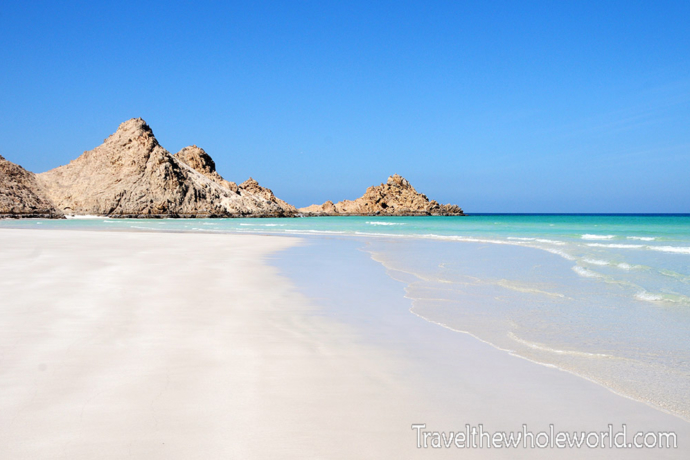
(394, 198)
(200, 161)
(252, 187)
(21, 195)
(131, 175)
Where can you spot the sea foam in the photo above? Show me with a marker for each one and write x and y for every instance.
(674, 249)
(587, 236)
(582, 271)
(617, 246)
(596, 262)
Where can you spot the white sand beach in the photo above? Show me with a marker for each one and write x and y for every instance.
(182, 345)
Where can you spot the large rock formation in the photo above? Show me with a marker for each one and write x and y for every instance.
(21, 195)
(394, 198)
(131, 175)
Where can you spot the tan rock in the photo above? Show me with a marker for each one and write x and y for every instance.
(197, 159)
(131, 175)
(200, 161)
(396, 197)
(328, 208)
(21, 195)
(252, 188)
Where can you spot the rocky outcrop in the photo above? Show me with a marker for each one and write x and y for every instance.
(252, 187)
(200, 161)
(132, 175)
(396, 197)
(197, 159)
(21, 195)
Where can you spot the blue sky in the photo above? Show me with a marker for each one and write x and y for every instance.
(496, 106)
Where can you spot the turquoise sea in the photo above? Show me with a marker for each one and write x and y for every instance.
(606, 297)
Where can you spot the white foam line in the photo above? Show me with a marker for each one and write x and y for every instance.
(585, 272)
(671, 249)
(618, 246)
(587, 236)
(385, 223)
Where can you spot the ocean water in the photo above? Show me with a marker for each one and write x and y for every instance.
(606, 297)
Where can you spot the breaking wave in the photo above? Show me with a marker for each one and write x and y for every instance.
(385, 223)
(587, 236)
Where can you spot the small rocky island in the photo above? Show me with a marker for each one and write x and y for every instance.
(132, 175)
(396, 197)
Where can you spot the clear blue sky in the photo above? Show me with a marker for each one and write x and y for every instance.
(496, 106)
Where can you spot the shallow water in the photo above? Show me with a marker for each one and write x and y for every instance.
(606, 297)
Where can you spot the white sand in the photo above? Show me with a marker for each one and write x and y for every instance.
(168, 346)
(144, 345)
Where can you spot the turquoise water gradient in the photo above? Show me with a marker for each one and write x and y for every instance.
(604, 296)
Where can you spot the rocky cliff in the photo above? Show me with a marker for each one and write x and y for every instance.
(132, 175)
(396, 197)
(21, 195)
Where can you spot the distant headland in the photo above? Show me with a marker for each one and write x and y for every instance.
(132, 175)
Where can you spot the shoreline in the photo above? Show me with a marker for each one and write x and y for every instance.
(591, 398)
(371, 335)
(515, 354)
(556, 367)
(383, 236)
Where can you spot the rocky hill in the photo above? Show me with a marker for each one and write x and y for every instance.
(396, 197)
(21, 195)
(132, 175)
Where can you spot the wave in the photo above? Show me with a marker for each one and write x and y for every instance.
(469, 239)
(543, 240)
(679, 276)
(601, 263)
(617, 246)
(84, 217)
(587, 236)
(385, 223)
(642, 238)
(538, 346)
(558, 252)
(520, 287)
(538, 240)
(582, 271)
(662, 297)
(320, 232)
(673, 249)
(596, 262)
